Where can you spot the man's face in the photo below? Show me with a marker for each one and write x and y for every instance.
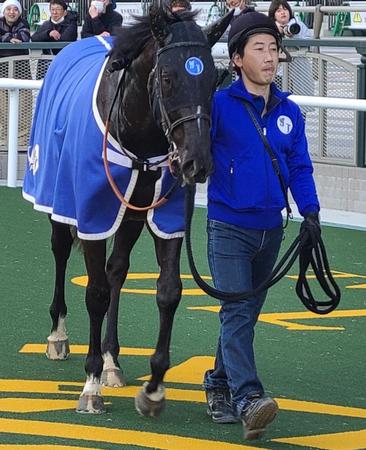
(57, 11)
(235, 3)
(11, 14)
(260, 60)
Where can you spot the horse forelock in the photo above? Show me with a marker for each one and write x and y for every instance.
(131, 40)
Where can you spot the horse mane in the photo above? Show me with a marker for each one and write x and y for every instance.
(131, 40)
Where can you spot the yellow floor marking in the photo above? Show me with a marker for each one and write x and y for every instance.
(281, 319)
(350, 440)
(26, 405)
(335, 274)
(190, 371)
(185, 395)
(357, 286)
(114, 436)
(41, 447)
(83, 281)
(83, 350)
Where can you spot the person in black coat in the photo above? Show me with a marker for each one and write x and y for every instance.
(13, 29)
(100, 19)
(61, 27)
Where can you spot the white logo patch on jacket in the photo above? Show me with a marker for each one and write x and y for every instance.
(284, 124)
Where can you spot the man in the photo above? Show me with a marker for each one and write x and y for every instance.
(245, 200)
(13, 29)
(100, 20)
(61, 27)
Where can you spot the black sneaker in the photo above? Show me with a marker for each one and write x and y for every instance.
(260, 412)
(219, 406)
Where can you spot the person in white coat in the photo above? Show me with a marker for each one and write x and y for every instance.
(301, 81)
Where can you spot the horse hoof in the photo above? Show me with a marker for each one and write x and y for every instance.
(90, 404)
(58, 350)
(113, 378)
(146, 406)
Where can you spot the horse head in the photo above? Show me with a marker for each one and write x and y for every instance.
(181, 86)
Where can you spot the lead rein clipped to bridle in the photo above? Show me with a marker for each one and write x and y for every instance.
(308, 255)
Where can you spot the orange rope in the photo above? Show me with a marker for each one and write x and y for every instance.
(114, 185)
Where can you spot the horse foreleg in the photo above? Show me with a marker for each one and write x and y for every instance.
(97, 301)
(58, 342)
(117, 268)
(151, 399)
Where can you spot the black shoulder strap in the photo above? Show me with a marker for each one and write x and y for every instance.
(274, 160)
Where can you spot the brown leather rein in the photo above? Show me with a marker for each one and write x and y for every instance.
(114, 186)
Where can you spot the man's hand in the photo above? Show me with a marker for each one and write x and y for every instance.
(55, 35)
(105, 33)
(15, 41)
(311, 225)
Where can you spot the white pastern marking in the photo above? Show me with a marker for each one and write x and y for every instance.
(60, 334)
(108, 362)
(92, 386)
(156, 396)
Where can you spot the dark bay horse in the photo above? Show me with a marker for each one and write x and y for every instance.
(158, 108)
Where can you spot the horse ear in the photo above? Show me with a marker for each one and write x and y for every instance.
(217, 29)
(158, 24)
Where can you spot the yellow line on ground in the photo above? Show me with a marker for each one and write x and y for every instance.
(185, 395)
(114, 436)
(351, 440)
(280, 319)
(83, 350)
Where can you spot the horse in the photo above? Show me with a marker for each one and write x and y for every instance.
(145, 98)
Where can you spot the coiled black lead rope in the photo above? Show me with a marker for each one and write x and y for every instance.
(314, 255)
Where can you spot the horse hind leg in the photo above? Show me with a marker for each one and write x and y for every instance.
(150, 401)
(58, 342)
(117, 268)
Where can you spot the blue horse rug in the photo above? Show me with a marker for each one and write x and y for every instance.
(65, 175)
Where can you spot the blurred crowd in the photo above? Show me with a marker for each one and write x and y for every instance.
(102, 19)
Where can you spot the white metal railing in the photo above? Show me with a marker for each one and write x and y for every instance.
(13, 86)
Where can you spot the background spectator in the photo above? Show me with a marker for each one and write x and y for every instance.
(100, 19)
(13, 28)
(280, 11)
(61, 27)
(300, 74)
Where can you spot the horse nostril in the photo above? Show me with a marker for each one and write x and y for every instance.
(194, 171)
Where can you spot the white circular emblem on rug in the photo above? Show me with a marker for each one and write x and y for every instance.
(284, 124)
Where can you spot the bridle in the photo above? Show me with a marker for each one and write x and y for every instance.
(161, 116)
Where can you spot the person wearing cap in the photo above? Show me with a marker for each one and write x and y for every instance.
(13, 29)
(245, 200)
(61, 27)
(101, 19)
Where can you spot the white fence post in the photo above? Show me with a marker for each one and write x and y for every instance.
(13, 137)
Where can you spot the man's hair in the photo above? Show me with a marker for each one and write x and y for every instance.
(273, 7)
(60, 3)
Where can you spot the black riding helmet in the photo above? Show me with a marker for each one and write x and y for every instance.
(247, 24)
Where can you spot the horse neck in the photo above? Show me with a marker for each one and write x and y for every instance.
(132, 120)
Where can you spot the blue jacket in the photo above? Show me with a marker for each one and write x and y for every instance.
(244, 189)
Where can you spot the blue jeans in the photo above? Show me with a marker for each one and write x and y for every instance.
(240, 259)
